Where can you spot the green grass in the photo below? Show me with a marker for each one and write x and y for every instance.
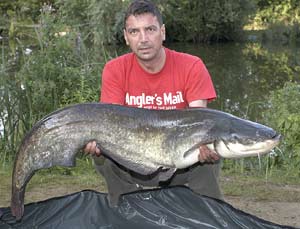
(255, 185)
(56, 181)
(59, 181)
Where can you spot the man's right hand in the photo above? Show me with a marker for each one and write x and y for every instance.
(92, 149)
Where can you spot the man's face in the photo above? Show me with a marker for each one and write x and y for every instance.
(144, 35)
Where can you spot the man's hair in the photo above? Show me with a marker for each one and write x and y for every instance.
(138, 7)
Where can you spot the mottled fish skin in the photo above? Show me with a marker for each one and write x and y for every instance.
(142, 140)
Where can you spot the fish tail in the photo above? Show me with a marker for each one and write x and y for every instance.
(17, 203)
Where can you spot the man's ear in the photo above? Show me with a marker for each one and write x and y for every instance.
(125, 36)
(163, 31)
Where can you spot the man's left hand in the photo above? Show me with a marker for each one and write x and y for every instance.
(207, 155)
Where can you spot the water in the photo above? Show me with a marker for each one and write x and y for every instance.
(245, 74)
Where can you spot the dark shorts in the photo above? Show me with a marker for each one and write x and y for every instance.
(201, 178)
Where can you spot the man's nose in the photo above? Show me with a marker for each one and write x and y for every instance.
(143, 36)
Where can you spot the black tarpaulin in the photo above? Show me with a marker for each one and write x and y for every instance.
(176, 207)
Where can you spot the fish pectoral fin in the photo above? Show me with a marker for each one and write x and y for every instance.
(142, 169)
(166, 175)
(131, 165)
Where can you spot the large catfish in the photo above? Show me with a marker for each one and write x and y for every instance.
(144, 141)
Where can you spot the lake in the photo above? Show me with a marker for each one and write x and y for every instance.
(244, 74)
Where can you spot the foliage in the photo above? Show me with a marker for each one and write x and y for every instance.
(8, 92)
(186, 20)
(274, 11)
(281, 20)
(221, 20)
(18, 16)
(284, 116)
(50, 76)
(206, 20)
(108, 16)
(61, 71)
(102, 21)
(22, 9)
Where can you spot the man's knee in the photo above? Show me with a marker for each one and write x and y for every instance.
(204, 180)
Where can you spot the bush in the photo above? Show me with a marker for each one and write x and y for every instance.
(61, 71)
(281, 20)
(57, 76)
(101, 21)
(283, 115)
(206, 20)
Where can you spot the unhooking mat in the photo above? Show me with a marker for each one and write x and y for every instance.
(175, 207)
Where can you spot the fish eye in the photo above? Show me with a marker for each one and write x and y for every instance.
(234, 136)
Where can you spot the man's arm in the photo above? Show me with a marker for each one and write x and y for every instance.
(205, 154)
(198, 103)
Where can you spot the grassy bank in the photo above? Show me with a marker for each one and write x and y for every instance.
(53, 182)
(62, 181)
(257, 187)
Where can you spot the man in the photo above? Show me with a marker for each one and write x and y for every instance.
(155, 77)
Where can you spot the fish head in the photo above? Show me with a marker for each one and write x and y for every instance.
(244, 138)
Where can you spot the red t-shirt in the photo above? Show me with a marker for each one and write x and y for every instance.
(183, 79)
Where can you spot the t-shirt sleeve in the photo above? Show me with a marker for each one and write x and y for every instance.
(112, 89)
(199, 84)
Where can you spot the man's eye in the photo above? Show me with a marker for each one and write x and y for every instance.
(151, 29)
(133, 32)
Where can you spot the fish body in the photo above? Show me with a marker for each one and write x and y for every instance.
(142, 140)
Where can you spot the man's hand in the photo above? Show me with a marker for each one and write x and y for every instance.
(92, 149)
(207, 155)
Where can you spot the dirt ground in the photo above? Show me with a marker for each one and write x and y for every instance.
(274, 202)
(281, 212)
(284, 213)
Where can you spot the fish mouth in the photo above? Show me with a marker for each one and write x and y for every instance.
(239, 150)
(277, 137)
